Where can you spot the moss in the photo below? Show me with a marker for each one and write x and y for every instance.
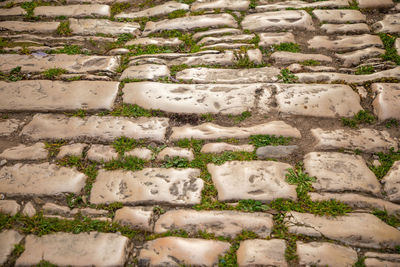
(70, 50)
(363, 70)
(310, 62)
(289, 47)
(389, 219)
(241, 117)
(117, 8)
(177, 14)
(133, 111)
(53, 73)
(390, 49)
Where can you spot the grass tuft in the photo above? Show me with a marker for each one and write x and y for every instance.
(268, 140)
(361, 117)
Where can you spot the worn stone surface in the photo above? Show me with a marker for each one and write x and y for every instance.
(155, 41)
(14, 11)
(102, 153)
(107, 128)
(212, 131)
(397, 45)
(34, 27)
(8, 126)
(372, 262)
(368, 140)
(375, 4)
(357, 229)
(145, 72)
(71, 150)
(225, 58)
(176, 251)
(171, 152)
(220, 223)
(255, 55)
(375, 259)
(25, 152)
(325, 254)
(278, 21)
(140, 152)
(289, 57)
(8, 239)
(29, 210)
(387, 101)
(10, 207)
(94, 26)
(215, 32)
(259, 252)
(345, 28)
(356, 57)
(274, 38)
(221, 46)
(392, 183)
(389, 24)
(240, 5)
(339, 16)
(265, 5)
(227, 38)
(150, 185)
(73, 11)
(259, 180)
(136, 217)
(344, 43)
(100, 249)
(159, 10)
(222, 147)
(275, 151)
(43, 95)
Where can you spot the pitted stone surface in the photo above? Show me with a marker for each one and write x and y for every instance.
(259, 180)
(356, 57)
(368, 140)
(339, 16)
(259, 252)
(9, 126)
(278, 21)
(25, 152)
(226, 58)
(340, 172)
(220, 223)
(145, 72)
(73, 11)
(325, 254)
(392, 183)
(171, 152)
(155, 41)
(10, 207)
(265, 5)
(14, 11)
(387, 101)
(71, 150)
(151, 185)
(389, 24)
(136, 217)
(43, 95)
(345, 43)
(40, 180)
(159, 10)
(240, 5)
(94, 26)
(289, 57)
(24, 26)
(357, 229)
(142, 153)
(8, 239)
(222, 147)
(191, 23)
(102, 153)
(274, 38)
(375, 4)
(212, 131)
(107, 128)
(95, 249)
(345, 28)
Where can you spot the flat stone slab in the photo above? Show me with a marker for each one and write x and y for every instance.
(374, 259)
(155, 41)
(289, 57)
(357, 28)
(279, 21)
(40, 180)
(145, 72)
(339, 16)
(222, 147)
(344, 43)
(340, 172)
(232, 76)
(325, 254)
(356, 57)
(84, 249)
(389, 24)
(220, 223)
(159, 10)
(140, 152)
(392, 183)
(135, 217)
(9, 126)
(10, 207)
(106, 128)
(355, 229)
(215, 32)
(71, 63)
(375, 4)
(177, 251)
(14, 11)
(264, 5)
(44, 95)
(94, 26)
(354, 139)
(8, 239)
(213, 131)
(387, 101)
(239, 5)
(150, 185)
(101, 153)
(226, 39)
(275, 38)
(259, 252)
(191, 23)
(172, 152)
(71, 150)
(34, 27)
(192, 98)
(23, 152)
(73, 11)
(275, 151)
(259, 180)
(225, 58)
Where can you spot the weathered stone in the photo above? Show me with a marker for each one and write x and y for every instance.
(191, 23)
(345, 43)
(226, 58)
(212, 131)
(8, 239)
(255, 56)
(169, 56)
(155, 41)
(374, 259)
(102, 153)
(23, 152)
(259, 180)
(339, 16)
(226, 38)
(354, 139)
(90, 212)
(275, 151)
(9, 126)
(40, 179)
(274, 38)
(10, 207)
(107, 128)
(29, 210)
(296, 67)
(71, 150)
(278, 21)
(389, 24)
(239, 5)
(142, 153)
(289, 57)
(325, 254)
(375, 4)
(84, 249)
(222, 147)
(171, 152)
(73, 10)
(229, 46)
(150, 60)
(392, 183)
(231, 76)
(71, 63)
(145, 72)
(397, 45)
(14, 11)
(150, 185)
(192, 98)
(387, 101)
(265, 5)
(44, 95)
(176, 251)
(159, 10)
(94, 26)
(372, 262)
(356, 57)
(345, 28)
(259, 252)
(216, 32)
(51, 208)
(137, 217)
(23, 26)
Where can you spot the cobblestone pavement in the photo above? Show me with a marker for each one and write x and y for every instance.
(199, 133)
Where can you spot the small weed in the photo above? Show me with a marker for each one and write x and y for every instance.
(207, 117)
(18, 249)
(121, 40)
(310, 62)
(392, 123)
(176, 68)
(177, 14)
(301, 179)
(230, 258)
(54, 148)
(136, 50)
(188, 2)
(389, 219)
(250, 205)
(253, 4)
(117, 8)
(360, 262)
(74, 201)
(15, 75)
(81, 113)
(390, 49)
(134, 111)
(363, 70)
(361, 117)
(190, 143)
(353, 5)
(123, 144)
(44, 263)
(52, 73)
(386, 160)
(238, 118)
(74, 78)
(69, 50)
(175, 162)
(287, 76)
(128, 163)
(64, 29)
(29, 8)
(289, 47)
(269, 140)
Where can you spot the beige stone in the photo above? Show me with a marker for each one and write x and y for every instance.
(325, 254)
(10, 207)
(354, 139)
(344, 43)
(14, 11)
(169, 56)
(216, 32)
(212, 131)
(107, 128)
(156, 11)
(275, 38)
(387, 101)
(267, 152)
(225, 58)
(145, 72)
(259, 252)
(8, 239)
(389, 24)
(171, 152)
(9, 126)
(356, 57)
(265, 5)
(289, 57)
(357, 28)
(150, 60)
(222, 147)
(220, 223)
(150, 185)
(339, 16)
(142, 153)
(23, 152)
(29, 210)
(259, 180)
(102, 153)
(73, 10)
(296, 67)
(44, 95)
(392, 183)
(94, 26)
(190, 23)
(227, 38)
(176, 251)
(255, 55)
(40, 180)
(90, 212)
(71, 150)
(375, 4)
(239, 5)
(52, 209)
(136, 217)
(374, 259)
(34, 27)
(278, 21)
(158, 41)
(371, 262)
(356, 229)
(84, 249)
(233, 46)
